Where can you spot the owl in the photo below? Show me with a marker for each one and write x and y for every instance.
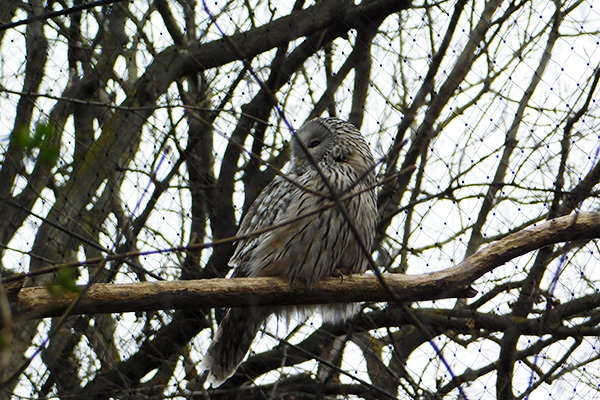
(311, 239)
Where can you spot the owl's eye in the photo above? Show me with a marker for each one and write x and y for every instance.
(314, 143)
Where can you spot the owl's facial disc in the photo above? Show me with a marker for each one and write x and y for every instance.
(317, 139)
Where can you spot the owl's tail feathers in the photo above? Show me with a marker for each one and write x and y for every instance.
(231, 343)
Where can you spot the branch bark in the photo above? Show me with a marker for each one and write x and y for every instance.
(37, 302)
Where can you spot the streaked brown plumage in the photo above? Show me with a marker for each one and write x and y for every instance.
(310, 248)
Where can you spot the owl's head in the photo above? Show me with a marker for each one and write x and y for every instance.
(326, 139)
(318, 139)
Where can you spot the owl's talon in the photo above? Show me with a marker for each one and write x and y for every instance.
(337, 273)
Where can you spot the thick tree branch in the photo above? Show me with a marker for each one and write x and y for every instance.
(36, 302)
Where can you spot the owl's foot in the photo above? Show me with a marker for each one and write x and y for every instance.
(338, 273)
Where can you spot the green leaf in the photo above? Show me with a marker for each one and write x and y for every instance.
(65, 283)
(20, 137)
(66, 280)
(40, 138)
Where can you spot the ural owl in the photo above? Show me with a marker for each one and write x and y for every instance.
(305, 249)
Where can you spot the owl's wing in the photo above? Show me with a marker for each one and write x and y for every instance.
(268, 208)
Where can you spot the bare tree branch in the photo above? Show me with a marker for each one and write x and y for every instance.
(37, 302)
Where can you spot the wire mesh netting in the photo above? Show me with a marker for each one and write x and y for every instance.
(138, 133)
